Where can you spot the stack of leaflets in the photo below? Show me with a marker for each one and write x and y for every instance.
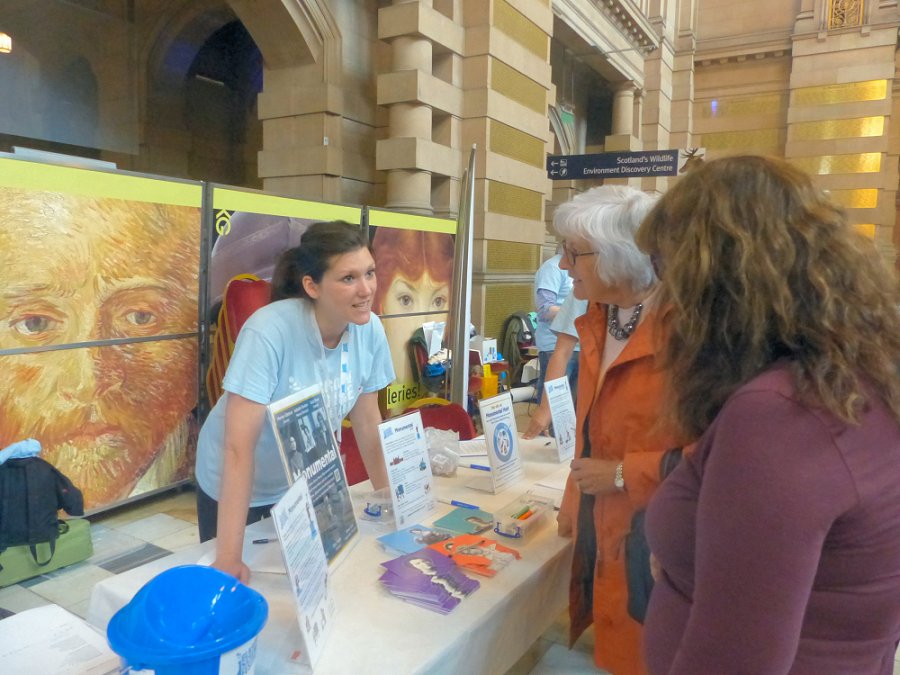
(466, 521)
(427, 579)
(476, 554)
(411, 539)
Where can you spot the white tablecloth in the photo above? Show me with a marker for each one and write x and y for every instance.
(374, 632)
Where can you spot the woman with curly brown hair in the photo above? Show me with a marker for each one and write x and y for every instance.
(779, 537)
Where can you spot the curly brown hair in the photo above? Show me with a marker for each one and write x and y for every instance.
(759, 265)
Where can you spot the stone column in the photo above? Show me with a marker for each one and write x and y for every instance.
(409, 187)
(623, 109)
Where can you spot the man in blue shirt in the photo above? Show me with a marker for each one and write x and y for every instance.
(551, 287)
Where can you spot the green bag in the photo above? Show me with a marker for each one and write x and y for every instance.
(73, 545)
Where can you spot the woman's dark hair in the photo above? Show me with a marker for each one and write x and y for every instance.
(319, 246)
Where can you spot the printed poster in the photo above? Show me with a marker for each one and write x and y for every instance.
(310, 452)
(99, 346)
(306, 565)
(502, 440)
(562, 413)
(408, 466)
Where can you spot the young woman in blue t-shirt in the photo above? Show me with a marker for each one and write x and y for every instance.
(318, 329)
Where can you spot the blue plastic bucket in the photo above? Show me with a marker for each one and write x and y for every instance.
(188, 620)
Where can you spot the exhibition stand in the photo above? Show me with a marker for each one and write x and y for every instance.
(372, 631)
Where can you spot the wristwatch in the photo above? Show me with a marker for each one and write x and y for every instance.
(619, 479)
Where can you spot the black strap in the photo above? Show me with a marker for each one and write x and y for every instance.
(34, 554)
(33, 504)
(586, 534)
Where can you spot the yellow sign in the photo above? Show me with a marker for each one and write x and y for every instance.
(400, 395)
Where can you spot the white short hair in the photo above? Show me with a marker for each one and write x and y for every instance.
(608, 217)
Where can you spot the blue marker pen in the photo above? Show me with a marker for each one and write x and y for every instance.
(453, 502)
(480, 467)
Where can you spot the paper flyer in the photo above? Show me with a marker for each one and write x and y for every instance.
(409, 469)
(306, 565)
(309, 450)
(428, 579)
(562, 413)
(412, 538)
(50, 639)
(501, 436)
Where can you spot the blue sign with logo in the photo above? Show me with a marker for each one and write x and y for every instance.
(643, 164)
(503, 440)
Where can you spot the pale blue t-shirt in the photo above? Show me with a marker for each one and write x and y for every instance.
(564, 321)
(557, 284)
(279, 352)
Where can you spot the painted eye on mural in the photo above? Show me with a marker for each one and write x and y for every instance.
(137, 321)
(405, 299)
(33, 325)
(439, 302)
(140, 318)
(140, 312)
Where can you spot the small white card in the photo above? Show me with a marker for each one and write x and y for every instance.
(409, 469)
(502, 439)
(562, 412)
(307, 567)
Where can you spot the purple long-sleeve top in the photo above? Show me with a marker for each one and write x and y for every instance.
(779, 540)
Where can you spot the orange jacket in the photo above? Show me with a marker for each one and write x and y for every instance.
(623, 425)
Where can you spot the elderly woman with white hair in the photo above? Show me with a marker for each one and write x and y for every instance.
(620, 393)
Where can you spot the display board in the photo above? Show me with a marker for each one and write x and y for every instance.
(111, 287)
(99, 324)
(414, 266)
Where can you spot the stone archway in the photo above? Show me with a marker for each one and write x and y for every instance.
(301, 51)
(302, 75)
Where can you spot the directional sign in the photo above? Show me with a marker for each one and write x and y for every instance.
(649, 163)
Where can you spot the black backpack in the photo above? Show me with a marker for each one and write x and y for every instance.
(32, 491)
(516, 336)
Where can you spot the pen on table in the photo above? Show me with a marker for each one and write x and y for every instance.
(453, 502)
(518, 514)
(262, 541)
(480, 467)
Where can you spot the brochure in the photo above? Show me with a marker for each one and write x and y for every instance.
(306, 565)
(309, 451)
(562, 413)
(428, 579)
(412, 538)
(408, 467)
(466, 521)
(476, 554)
(499, 423)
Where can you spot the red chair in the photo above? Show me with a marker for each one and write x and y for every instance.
(350, 455)
(442, 414)
(243, 295)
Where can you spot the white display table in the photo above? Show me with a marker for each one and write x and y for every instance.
(374, 632)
